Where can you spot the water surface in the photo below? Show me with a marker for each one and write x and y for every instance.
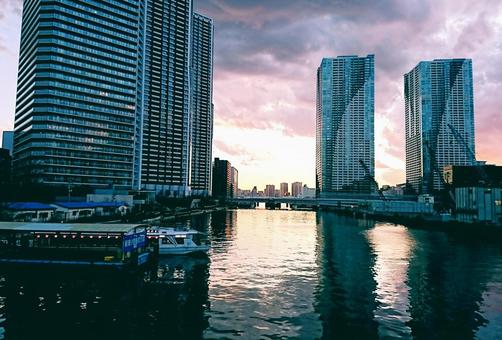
(275, 274)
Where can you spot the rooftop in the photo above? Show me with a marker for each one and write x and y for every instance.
(69, 227)
(83, 205)
(29, 206)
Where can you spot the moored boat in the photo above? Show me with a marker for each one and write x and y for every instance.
(171, 241)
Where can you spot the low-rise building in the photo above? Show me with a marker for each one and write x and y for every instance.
(478, 204)
(307, 192)
(105, 195)
(478, 192)
(70, 211)
(30, 211)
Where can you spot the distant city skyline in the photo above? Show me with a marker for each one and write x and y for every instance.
(264, 78)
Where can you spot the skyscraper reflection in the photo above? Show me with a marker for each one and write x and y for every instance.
(345, 297)
(84, 304)
(447, 278)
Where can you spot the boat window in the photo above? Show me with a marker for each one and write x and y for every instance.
(180, 240)
(165, 241)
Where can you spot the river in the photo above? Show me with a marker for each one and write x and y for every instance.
(270, 275)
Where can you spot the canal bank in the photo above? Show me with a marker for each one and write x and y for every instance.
(425, 222)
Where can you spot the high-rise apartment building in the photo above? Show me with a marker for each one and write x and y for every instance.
(201, 115)
(166, 98)
(222, 178)
(345, 124)
(296, 189)
(438, 101)
(107, 95)
(234, 182)
(76, 94)
(284, 189)
(269, 190)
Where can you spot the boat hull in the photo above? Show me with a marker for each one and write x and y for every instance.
(182, 250)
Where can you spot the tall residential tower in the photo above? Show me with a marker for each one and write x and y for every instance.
(201, 89)
(438, 98)
(115, 94)
(345, 124)
(166, 98)
(76, 92)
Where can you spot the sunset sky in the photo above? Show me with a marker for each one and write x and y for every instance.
(266, 56)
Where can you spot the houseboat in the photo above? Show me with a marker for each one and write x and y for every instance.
(107, 245)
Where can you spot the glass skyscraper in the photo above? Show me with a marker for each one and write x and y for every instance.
(201, 89)
(345, 124)
(76, 97)
(104, 94)
(437, 93)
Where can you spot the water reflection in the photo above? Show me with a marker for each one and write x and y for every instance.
(448, 277)
(82, 304)
(386, 281)
(392, 246)
(274, 274)
(262, 285)
(345, 296)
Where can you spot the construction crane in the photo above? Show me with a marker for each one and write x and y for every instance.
(470, 154)
(372, 179)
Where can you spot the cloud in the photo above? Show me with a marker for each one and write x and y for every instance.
(267, 54)
(9, 7)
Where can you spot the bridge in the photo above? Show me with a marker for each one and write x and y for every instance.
(370, 203)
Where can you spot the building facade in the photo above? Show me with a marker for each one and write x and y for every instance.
(284, 189)
(201, 115)
(106, 98)
(166, 98)
(234, 182)
(438, 101)
(5, 167)
(296, 189)
(8, 141)
(76, 92)
(478, 192)
(222, 179)
(345, 124)
(269, 190)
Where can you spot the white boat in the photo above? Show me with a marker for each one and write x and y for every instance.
(177, 242)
